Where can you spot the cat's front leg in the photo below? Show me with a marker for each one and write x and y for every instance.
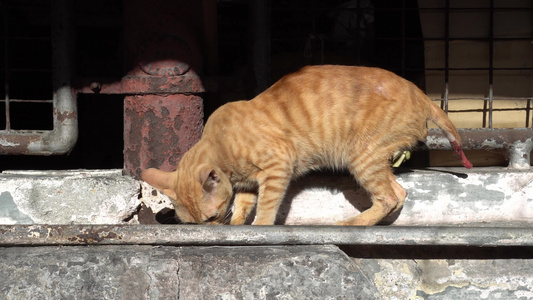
(271, 192)
(242, 206)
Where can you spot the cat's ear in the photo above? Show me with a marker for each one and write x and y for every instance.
(209, 178)
(161, 180)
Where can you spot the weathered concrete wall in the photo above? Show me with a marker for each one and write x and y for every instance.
(493, 197)
(253, 272)
(145, 272)
(450, 279)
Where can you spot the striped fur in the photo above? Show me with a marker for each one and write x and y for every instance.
(319, 117)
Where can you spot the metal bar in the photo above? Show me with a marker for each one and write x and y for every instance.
(484, 111)
(491, 101)
(496, 39)
(474, 69)
(27, 101)
(205, 235)
(503, 8)
(528, 114)
(486, 98)
(6, 71)
(446, 54)
(491, 62)
(480, 138)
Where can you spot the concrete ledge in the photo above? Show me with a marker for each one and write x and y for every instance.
(436, 197)
(444, 196)
(67, 197)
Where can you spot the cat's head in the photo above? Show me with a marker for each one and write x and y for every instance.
(201, 196)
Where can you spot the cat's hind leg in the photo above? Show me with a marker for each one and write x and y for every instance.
(243, 204)
(385, 192)
(399, 191)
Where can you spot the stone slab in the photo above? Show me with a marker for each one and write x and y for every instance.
(67, 197)
(251, 272)
(146, 272)
(443, 279)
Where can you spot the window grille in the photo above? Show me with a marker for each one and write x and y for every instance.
(27, 61)
(474, 59)
(39, 109)
(479, 68)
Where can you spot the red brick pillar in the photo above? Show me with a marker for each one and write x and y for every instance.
(163, 117)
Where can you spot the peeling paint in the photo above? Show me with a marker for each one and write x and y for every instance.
(154, 134)
(6, 143)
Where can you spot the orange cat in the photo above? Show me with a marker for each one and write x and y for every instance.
(319, 117)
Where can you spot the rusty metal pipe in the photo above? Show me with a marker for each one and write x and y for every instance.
(63, 137)
(208, 235)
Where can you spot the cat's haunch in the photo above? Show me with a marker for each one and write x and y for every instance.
(319, 117)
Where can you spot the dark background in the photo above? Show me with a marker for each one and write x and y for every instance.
(383, 33)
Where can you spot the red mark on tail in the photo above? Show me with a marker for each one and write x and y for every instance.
(459, 152)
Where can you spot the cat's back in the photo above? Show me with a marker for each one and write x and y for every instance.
(318, 113)
(335, 87)
(318, 94)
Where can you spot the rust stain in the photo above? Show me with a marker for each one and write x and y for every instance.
(94, 236)
(159, 129)
(17, 143)
(64, 116)
(59, 231)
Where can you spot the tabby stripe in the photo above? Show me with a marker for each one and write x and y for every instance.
(305, 111)
(275, 166)
(274, 189)
(276, 178)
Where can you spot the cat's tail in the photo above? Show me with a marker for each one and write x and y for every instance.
(439, 117)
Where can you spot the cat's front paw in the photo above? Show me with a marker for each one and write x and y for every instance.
(237, 221)
(355, 222)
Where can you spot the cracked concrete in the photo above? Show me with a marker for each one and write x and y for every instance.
(450, 278)
(67, 197)
(448, 196)
(146, 272)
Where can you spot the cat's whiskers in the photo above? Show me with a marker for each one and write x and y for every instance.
(227, 216)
